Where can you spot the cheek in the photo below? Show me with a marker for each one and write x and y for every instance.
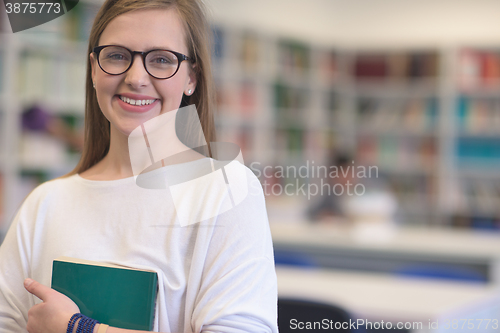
(106, 89)
(105, 105)
(171, 94)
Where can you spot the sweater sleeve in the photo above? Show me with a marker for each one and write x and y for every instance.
(15, 251)
(238, 292)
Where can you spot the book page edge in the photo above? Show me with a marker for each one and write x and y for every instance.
(99, 263)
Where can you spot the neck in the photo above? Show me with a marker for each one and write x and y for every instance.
(117, 161)
(150, 146)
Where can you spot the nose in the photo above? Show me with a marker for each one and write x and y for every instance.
(137, 76)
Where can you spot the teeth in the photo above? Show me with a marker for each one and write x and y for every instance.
(137, 102)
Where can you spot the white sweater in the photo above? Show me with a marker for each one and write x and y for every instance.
(214, 276)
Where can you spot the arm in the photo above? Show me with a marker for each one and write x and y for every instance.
(238, 291)
(15, 254)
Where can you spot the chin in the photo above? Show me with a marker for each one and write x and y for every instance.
(126, 129)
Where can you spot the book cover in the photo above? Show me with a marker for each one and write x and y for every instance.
(115, 295)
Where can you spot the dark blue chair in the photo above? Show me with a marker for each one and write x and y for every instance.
(294, 259)
(291, 312)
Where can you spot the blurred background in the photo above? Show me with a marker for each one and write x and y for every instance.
(373, 126)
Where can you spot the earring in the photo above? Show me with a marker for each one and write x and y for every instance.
(94, 84)
(189, 92)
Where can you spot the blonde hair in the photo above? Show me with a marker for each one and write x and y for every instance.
(198, 38)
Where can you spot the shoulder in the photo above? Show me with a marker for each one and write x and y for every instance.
(241, 181)
(50, 189)
(238, 170)
(246, 200)
(43, 199)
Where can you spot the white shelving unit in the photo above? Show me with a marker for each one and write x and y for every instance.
(40, 66)
(275, 101)
(477, 117)
(416, 118)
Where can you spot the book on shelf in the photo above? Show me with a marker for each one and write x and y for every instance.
(420, 115)
(328, 68)
(294, 57)
(289, 97)
(416, 154)
(478, 152)
(249, 52)
(423, 65)
(115, 295)
(218, 37)
(414, 115)
(248, 98)
(406, 66)
(478, 116)
(479, 68)
(398, 65)
(370, 66)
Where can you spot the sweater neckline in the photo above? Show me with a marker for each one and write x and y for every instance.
(131, 179)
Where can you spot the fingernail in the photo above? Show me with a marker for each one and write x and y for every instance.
(27, 282)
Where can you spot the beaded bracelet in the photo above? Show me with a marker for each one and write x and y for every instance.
(72, 322)
(92, 325)
(85, 325)
(88, 327)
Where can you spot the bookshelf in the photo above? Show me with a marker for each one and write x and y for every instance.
(477, 139)
(428, 118)
(397, 109)
(42, 68)
(418, 114)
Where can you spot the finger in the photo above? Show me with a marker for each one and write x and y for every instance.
(37, 289)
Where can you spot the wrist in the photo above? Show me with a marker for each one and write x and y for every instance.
(80, 323)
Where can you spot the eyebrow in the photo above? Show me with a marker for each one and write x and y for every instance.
(147, 49)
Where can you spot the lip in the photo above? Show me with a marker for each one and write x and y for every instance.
(136, 108)
(136, 96)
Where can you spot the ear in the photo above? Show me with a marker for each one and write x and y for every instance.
(191, 83)
(93, 66)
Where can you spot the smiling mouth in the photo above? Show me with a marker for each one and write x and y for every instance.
(137, 102)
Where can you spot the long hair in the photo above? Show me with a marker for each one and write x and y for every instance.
(198, 41)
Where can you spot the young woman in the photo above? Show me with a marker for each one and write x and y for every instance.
(216, 273)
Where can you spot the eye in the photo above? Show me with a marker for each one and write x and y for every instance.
(116, 56)
(162, 60)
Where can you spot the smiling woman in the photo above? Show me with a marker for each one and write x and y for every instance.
(147, 60)
(113, 109)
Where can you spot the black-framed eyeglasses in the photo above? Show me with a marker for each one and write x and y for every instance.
(160, 64)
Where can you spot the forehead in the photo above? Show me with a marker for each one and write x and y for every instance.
(142, 30)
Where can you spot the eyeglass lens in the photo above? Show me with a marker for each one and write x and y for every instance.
(159, 63)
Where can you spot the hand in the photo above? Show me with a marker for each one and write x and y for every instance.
(51, 316)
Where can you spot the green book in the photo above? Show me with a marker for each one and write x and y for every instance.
(115, 295)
